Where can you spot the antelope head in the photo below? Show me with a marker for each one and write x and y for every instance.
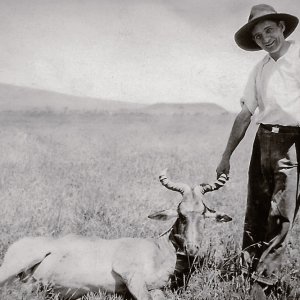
(186, 233)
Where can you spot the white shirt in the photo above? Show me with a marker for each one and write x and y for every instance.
(274, 88)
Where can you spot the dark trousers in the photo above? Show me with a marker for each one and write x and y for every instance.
(272, 203)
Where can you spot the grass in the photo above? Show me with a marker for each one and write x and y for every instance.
(97, 174)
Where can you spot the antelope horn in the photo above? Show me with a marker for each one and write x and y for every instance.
(182, 188)
(215, 186)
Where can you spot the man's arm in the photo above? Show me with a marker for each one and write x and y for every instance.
(238, 131)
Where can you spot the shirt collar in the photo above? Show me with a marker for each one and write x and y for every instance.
(288, 54)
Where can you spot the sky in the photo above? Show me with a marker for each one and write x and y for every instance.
(143, 51)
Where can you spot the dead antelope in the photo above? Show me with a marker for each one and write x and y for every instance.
(75, 265)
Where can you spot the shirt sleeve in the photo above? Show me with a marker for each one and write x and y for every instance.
(249, 97)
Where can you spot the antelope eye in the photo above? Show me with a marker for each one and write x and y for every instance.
(182, 218)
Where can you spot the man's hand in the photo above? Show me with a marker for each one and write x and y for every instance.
(223, 167)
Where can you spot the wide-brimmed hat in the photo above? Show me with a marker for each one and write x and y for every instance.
(261, 12)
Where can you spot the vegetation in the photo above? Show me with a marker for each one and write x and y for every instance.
(97, 174)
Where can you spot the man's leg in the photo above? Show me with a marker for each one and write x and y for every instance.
(258, 203)
(284, 206)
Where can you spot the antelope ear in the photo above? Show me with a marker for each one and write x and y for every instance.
(219, 217)
(164, 215)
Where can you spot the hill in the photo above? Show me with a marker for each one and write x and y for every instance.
(16, 98)
(208, 109)
(24, 99)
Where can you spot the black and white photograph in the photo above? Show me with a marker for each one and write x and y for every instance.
(149, 150)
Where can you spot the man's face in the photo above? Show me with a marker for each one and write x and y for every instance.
(268, 35)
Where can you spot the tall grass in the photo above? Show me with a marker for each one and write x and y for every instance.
(97, 174)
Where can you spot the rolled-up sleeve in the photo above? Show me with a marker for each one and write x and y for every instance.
(249, 97)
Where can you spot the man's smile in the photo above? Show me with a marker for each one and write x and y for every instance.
(270, 44)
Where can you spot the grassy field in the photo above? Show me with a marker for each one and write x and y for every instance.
(97, 174)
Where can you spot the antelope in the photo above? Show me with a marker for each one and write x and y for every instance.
(75, 265)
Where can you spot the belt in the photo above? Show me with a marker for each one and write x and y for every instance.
(280, 129)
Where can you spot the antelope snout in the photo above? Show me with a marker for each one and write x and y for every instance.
(192, 249)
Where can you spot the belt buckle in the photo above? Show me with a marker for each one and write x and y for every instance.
(275, 129)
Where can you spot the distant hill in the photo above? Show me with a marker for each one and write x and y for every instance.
(15, 98)
(186, 108)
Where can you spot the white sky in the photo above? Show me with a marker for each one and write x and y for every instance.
(142, 51)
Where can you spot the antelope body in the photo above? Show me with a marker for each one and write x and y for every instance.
(75, 265)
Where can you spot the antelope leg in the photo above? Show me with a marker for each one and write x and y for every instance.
(136, 285)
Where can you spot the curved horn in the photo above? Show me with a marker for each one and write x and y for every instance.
(182, 188)
(215, 186)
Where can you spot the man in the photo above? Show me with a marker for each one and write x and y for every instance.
(273, 188)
